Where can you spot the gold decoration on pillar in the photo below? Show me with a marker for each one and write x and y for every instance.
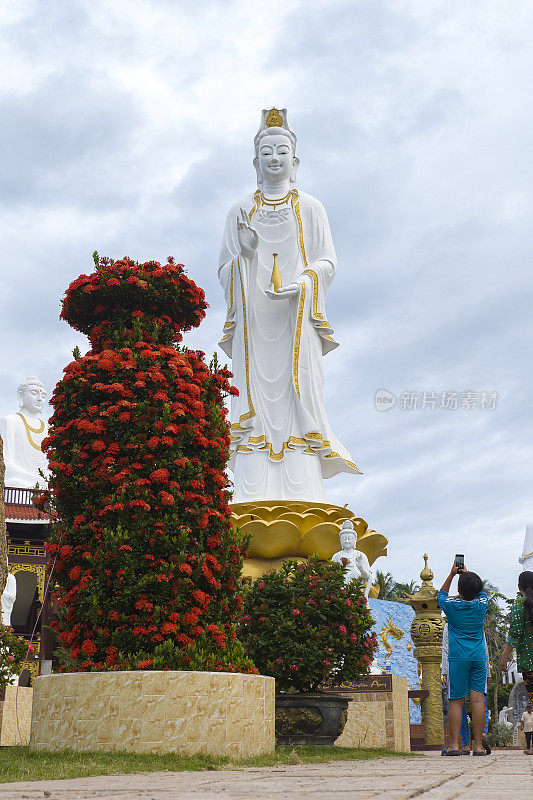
(298, 529)
(275, 278)
(426, 632)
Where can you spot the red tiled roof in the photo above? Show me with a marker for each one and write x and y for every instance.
(23, 513)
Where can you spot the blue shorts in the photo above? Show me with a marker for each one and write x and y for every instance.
(466, 675)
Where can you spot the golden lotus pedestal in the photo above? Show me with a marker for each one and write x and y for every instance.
(298, 529)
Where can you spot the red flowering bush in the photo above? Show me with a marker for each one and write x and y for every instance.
(147, 565)
(304, 627)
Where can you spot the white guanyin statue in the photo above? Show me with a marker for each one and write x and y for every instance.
(276, 264)
(22, 434)
(7, 600)
(526, 559)
(358, 566)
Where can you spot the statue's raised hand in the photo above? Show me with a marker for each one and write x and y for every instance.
(248, 238)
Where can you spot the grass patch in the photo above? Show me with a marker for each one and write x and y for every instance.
(23, 764)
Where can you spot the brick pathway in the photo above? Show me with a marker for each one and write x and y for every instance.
(501, 776)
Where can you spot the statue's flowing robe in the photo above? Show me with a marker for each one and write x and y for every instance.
(7, 600)
(281, 443)
(22, 451)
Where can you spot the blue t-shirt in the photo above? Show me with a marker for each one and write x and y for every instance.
(465, 626)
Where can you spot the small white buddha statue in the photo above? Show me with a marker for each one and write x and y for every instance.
(8, 598)
(374, 669)
(22, 434)
(357, 566)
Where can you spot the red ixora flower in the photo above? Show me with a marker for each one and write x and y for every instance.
(166, 498)
(88, 647)
(160, 476)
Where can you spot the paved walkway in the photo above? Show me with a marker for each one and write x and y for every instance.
(501, 776)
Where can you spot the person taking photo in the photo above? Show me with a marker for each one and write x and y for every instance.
(467, 663)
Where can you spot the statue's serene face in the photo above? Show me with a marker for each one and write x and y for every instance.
(276, 158)
(347, 541)
(33, 398)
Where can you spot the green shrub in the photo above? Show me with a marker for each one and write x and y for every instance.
(499, 735)
(303, 626)
(13, 650)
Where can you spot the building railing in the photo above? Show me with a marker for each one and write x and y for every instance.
(20, 497)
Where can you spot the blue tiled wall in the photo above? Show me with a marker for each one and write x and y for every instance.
(401, 659)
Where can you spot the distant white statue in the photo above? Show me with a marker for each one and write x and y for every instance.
(526, 559)
(276, 265)
(374, 669)
(505, 717)
(358, 566)
(22, 434)
(7, 601)
(9, 595)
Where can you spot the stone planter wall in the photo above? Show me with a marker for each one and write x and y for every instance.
(15, 716)
(378, 718)
(155, 712)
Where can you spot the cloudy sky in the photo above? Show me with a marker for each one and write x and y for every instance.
(127, 127)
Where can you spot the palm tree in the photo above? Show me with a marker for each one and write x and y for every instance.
(401, 590)
(495, 634)
(386, 584)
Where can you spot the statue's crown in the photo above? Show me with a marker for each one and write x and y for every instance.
(274, 118)
(347, 527)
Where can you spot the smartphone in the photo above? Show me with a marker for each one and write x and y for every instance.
(459, 562)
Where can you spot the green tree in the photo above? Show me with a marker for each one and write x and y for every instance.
(389, 589)
(385, 582)
(496, 624)
(401, 590)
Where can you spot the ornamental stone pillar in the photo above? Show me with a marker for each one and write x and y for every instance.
(426, 631)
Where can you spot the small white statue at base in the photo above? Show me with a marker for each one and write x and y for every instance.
(374, 669)
(503, 717)
(22, 434)
(357, 566)
(9, 596)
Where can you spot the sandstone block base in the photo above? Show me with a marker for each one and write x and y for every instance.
(155, 712)
(15, 716)
(379, 719)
